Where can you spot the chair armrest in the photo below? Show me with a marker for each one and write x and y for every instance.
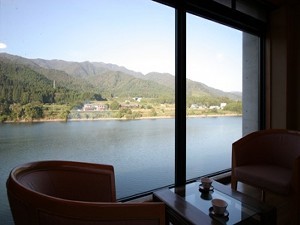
(296, 175)
(295, 189)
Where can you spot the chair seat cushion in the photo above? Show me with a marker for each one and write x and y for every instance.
(268, 177)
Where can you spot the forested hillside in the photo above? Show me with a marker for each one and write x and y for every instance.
(21, 84)
(36, 82)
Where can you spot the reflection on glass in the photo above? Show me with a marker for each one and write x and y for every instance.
(236, 210)
(214, 95)
(103, 73)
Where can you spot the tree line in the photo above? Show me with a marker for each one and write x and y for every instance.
(24, 92)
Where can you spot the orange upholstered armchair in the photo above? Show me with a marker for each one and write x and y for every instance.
(269, 160)
(63, 192)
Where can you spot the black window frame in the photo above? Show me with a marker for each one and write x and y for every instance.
(228, 16)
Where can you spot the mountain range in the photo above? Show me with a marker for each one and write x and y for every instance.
(108, 80)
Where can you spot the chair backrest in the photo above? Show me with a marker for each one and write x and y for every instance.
(38, 187)
(30, 207)
(272, 146)
(64, 193)
(68, 180)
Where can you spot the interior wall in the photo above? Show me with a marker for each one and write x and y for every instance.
(283, 68)
(278, 70)
(293, 94)
(297, 60)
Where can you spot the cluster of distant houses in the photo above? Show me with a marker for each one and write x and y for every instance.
(104, 107)
(128, 105)
(92, 107)
(100, 107)
(196, 106)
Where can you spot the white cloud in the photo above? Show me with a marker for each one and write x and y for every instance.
(2, 45)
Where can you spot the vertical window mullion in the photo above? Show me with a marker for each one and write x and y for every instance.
(262, 78)
(180, 97)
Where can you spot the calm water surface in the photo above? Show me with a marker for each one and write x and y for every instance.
(142, 151)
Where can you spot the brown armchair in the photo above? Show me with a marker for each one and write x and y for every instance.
(269, 160)
(63, 192)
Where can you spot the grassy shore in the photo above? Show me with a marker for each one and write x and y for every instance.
(122, 119)
(64, 113)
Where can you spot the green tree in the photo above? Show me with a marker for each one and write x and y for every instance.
(236, 107)
(114, 105)
(17, 111)
(4, 109)
(65, 114)
(33, 111)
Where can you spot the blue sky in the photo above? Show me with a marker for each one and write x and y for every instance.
(137, 34)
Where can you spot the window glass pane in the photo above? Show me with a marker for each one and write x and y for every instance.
(214, 95)
(105, 67)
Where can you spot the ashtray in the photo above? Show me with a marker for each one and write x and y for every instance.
(202, 189)
(212, 213)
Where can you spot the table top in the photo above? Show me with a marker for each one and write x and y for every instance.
(193, 205)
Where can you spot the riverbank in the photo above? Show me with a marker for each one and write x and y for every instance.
(122, 119)
(142, 151)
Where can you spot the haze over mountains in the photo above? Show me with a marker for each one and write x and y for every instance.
(107, 79)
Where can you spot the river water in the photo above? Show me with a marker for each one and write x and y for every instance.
(142, 151)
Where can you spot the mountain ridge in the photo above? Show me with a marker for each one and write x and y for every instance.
(98, 75)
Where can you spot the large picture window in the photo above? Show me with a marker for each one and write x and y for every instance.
(160, 91)
(213, 95)
(222, 70)
(89, 81)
